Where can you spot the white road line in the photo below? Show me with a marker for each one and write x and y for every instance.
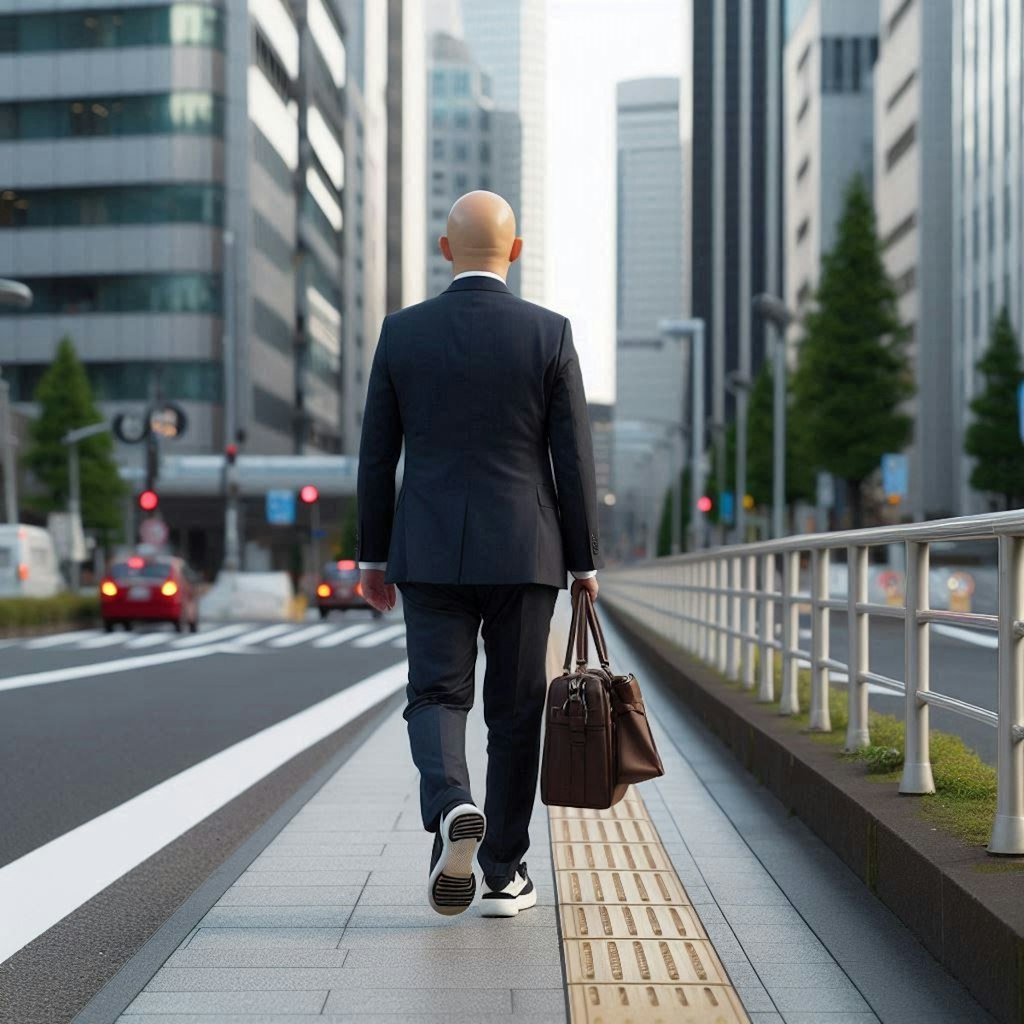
(149, 640)
(44, 886)
(221, 633)
(342, 635)
(382, 636)
(968, 636)
(263, 634)
(399, 642)
(103, 668)
(60, 638)
(294, 639)
(104, 640)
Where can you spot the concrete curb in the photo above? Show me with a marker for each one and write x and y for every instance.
(971, 922)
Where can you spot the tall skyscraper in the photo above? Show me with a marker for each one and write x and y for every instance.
(732, 110)
(914, 205)
(829, 116)
(988, 197)
(171, 191)
(508, 39)
(650, 377)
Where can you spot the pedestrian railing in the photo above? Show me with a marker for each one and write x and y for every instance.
(721, 606)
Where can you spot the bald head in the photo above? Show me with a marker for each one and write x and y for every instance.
(481, 234)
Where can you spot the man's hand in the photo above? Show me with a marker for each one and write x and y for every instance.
(589, 585)
(380, 595)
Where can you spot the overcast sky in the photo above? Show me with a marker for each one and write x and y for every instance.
(592, 44)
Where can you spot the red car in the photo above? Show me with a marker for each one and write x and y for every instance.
(339, 588)
(149, 589)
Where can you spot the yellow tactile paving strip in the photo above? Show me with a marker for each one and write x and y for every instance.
(635, 951)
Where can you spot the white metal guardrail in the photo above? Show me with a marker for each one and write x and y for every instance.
(721, 606)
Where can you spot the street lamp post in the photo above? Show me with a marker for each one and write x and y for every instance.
(72, 439)
(12, 293)
(740, 387)
(694, 330)
(774, 310)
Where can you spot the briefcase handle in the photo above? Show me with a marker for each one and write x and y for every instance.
(584, 615)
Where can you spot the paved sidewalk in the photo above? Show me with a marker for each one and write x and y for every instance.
(330, 922)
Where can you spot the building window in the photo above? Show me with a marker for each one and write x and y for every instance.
(461, 182)
(438, 149)
(901, 230)
(438, 83)
(131, 204)
(801, 231)
(901, 90)
(461, 152)
(440, 118)
(900, 13)
(266, 238)
(130, 381)
(184, 24)
(900, 147)
(190, 113)
(485, 152)
(461, 120)
(273, 328)
(124, 293)
(270, 64)
(485, 120)
(460, 83)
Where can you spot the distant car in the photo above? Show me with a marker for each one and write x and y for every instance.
(148, 588)
(28, 562)
(339, 588)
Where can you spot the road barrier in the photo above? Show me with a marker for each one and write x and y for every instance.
(721, 606)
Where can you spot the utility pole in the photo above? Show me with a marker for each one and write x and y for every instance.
(12, 293)
(72, 439)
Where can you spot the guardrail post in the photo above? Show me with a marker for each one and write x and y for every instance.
(789, 702)
(708, 581)
(917, 767)
(721, 659)
(766, 691)
(735, 619)
(1008, 829)
(857, 734)
(820, 718)
(749, 619)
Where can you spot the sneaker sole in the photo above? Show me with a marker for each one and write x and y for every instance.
(451, 887)
(491, 906)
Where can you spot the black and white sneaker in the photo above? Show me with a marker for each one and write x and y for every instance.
(519, 894)
(452, 883)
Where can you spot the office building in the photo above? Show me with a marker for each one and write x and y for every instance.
(407, 153)
(650, 368)
(731, 126)
(829, 118)
(988, 199)
(171, 191)
(914, 207)
(508, 39)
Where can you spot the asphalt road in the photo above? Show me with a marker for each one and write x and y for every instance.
(138, 711)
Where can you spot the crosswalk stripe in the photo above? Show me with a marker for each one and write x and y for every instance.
(60, 638)
(339, 637)
(104, 640)
(149, 640)
(294, 639)
(398, 642)
(221, 633)
(264, 634)
(382, 636)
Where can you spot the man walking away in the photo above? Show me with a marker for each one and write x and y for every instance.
(485, 391)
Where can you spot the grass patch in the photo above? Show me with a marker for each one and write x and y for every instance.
(62, 609)
(964, 802)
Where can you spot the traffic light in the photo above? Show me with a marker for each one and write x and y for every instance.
(148, 501)
(704, 504)
(231, 453)
(309, 495)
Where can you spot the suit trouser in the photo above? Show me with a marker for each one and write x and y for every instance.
(442, 622)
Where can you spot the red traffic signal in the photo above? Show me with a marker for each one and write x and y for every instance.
(148, 501)
(704, 504)
(231, 453)
(309, 495)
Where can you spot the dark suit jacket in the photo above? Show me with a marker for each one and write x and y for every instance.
(481, 386)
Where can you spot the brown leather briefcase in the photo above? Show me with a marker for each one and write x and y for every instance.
(597, 739)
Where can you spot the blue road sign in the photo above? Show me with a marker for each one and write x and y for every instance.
(281, 508)
(895, 474)
(727, 507)
(1020, 410)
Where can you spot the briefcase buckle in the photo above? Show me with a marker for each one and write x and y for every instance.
(577, 692)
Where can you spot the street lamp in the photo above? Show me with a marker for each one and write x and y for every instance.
(775, 311)
(694, 330)
(72, 439)
(18, 295)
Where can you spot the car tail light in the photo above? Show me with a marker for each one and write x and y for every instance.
(169, 589)
(108, 588)
(346, 564)
(135, 562)
(23, 572)
(323, 590)
(359, 589)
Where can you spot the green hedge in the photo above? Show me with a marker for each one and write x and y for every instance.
(63, 609)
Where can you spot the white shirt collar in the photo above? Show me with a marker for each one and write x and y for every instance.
(479, 273)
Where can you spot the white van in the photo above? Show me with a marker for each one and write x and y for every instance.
(28, 562)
